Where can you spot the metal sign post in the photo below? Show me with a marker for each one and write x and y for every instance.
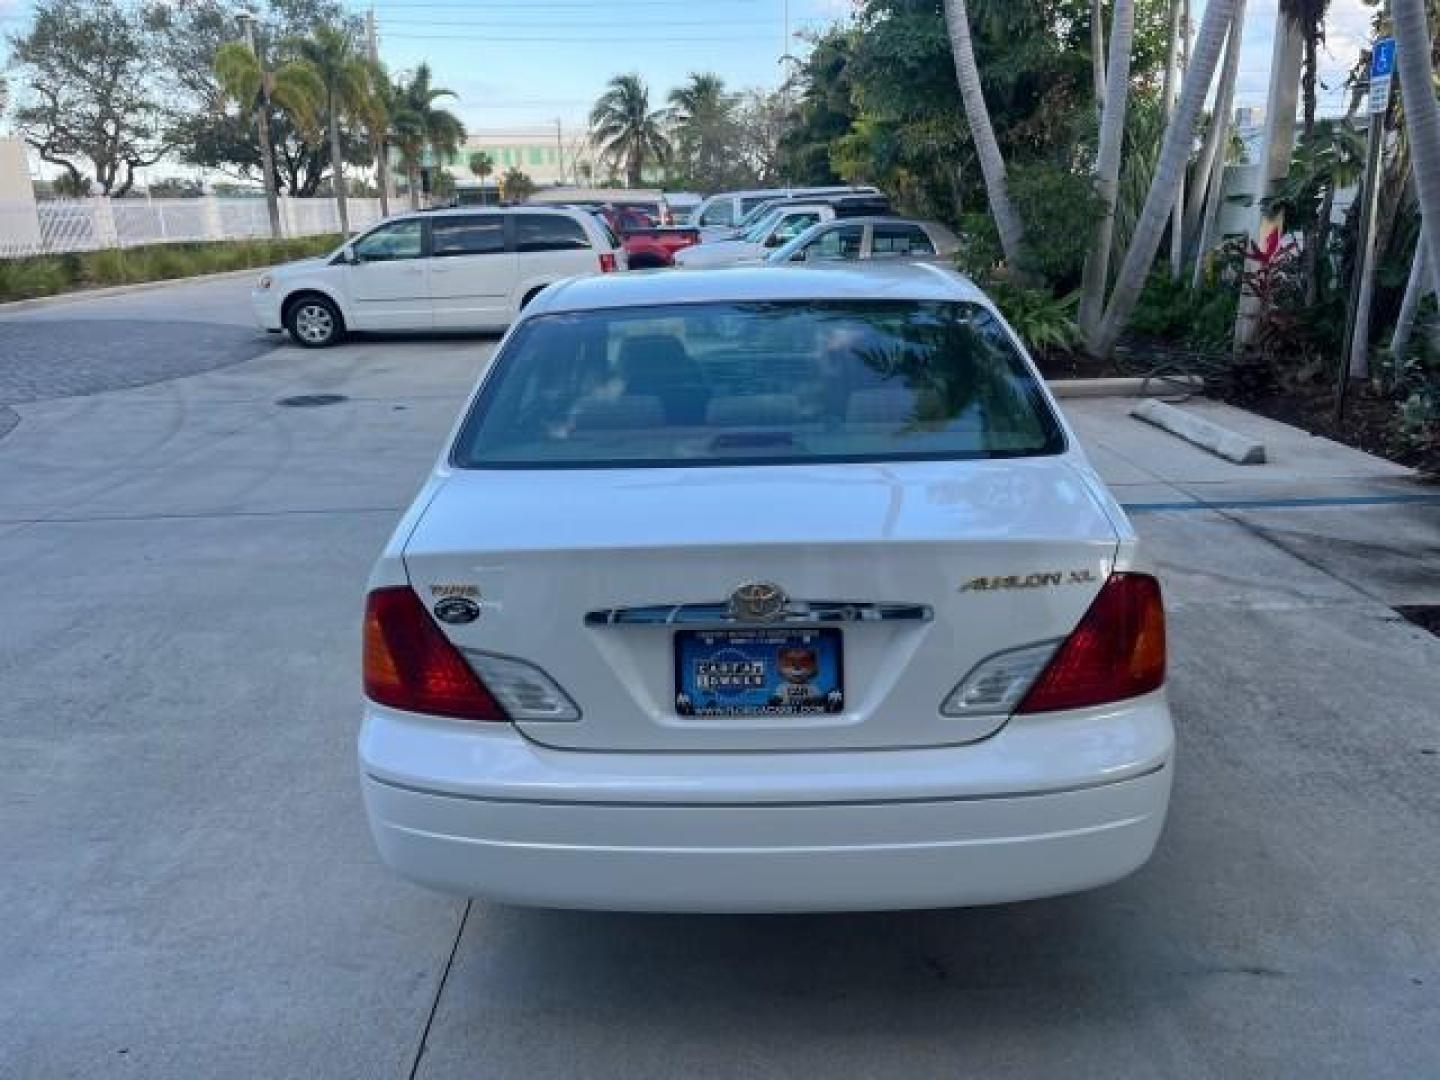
(1355, 354)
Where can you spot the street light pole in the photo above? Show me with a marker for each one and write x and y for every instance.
(262, 122)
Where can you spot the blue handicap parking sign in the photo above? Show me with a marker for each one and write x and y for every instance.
(1382, 60)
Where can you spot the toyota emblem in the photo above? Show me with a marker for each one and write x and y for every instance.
(758, 601)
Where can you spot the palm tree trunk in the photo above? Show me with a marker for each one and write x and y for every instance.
(267, 167)
(1174, 152)
(1210, 171)
(1173, 73)
(1107, 165)
(1415, 288)
(1097, 54)
(412, 181)
(977, 116)
(1422, 119)
(337, 170)
(1276, 151)
(382, 174)
(1315, 249)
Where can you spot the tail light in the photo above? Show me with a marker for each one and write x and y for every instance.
(409, 664)
(1116, 652)
(608, 263)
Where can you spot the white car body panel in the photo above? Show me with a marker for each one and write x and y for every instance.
(887, 804)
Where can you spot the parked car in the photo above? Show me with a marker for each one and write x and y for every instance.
(785, 221)
(754, 591)
(466, 269)
(651, 200)
(869, 238)
(726, 210)
(683, 205)
(647, 246)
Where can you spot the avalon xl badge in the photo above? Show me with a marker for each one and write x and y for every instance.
(758, 601)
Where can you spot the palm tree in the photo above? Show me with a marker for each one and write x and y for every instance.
(1416, 285)
(1164, 187)
(1107, 165)
(626, 130)
(420, 125)
(1422, 119)
(1210, 169)
(482, 165)
(1277, 147)
(977, 116)
(373, 111)
(293, 88)
(702, 115)
(345, 75)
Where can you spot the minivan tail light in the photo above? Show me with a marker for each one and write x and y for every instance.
(1117, 651)
(608, 263)
(409, 664)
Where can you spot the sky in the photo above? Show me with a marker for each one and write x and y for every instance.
(522, 64)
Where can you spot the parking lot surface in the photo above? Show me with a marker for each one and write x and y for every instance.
(189, 888)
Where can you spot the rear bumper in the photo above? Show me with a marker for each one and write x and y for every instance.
(605, 841)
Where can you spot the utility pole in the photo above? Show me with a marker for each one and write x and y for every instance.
(560, 149)
(262, 122)
(1355, 358)
(382, 151)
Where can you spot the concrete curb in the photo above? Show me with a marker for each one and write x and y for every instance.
(1154, 386)
(76, 295)
(1206, 434)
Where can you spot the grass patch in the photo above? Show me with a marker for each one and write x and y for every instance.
(45, 275)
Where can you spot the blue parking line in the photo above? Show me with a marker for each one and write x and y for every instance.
(1279, 504)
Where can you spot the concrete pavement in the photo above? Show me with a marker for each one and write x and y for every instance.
(190, 890)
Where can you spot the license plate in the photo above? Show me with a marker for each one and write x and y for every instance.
(758, 672)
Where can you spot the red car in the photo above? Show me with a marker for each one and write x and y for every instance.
(647, 245)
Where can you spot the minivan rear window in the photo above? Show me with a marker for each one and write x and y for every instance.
(548, 232)
(759, 383)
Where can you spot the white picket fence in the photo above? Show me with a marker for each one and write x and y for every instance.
(52, 226)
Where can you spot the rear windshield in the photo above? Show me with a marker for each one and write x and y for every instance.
(757, 383)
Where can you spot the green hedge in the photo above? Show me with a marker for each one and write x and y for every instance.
(43, 275)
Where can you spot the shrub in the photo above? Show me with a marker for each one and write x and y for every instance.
(1044, 322)
(43, 275)
(1059, 210)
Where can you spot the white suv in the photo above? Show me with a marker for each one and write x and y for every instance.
(469, 269)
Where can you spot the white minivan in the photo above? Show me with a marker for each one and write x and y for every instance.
(465, 269)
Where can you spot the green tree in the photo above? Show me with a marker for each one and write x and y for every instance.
(629, 134)
(1165, 186)
(705, 132)
(293, 89)
(89, 92)
(344, 76)
(421, 126)
(206, 129)
(482, 165)
(516, 185)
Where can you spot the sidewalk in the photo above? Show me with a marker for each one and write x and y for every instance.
(1361, 519)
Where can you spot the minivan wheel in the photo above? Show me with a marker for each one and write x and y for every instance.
(314, 322)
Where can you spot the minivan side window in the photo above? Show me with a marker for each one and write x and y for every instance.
(547, 232)
(479, 235)
(397, 240)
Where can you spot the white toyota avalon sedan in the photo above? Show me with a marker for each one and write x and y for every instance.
(739, 590)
